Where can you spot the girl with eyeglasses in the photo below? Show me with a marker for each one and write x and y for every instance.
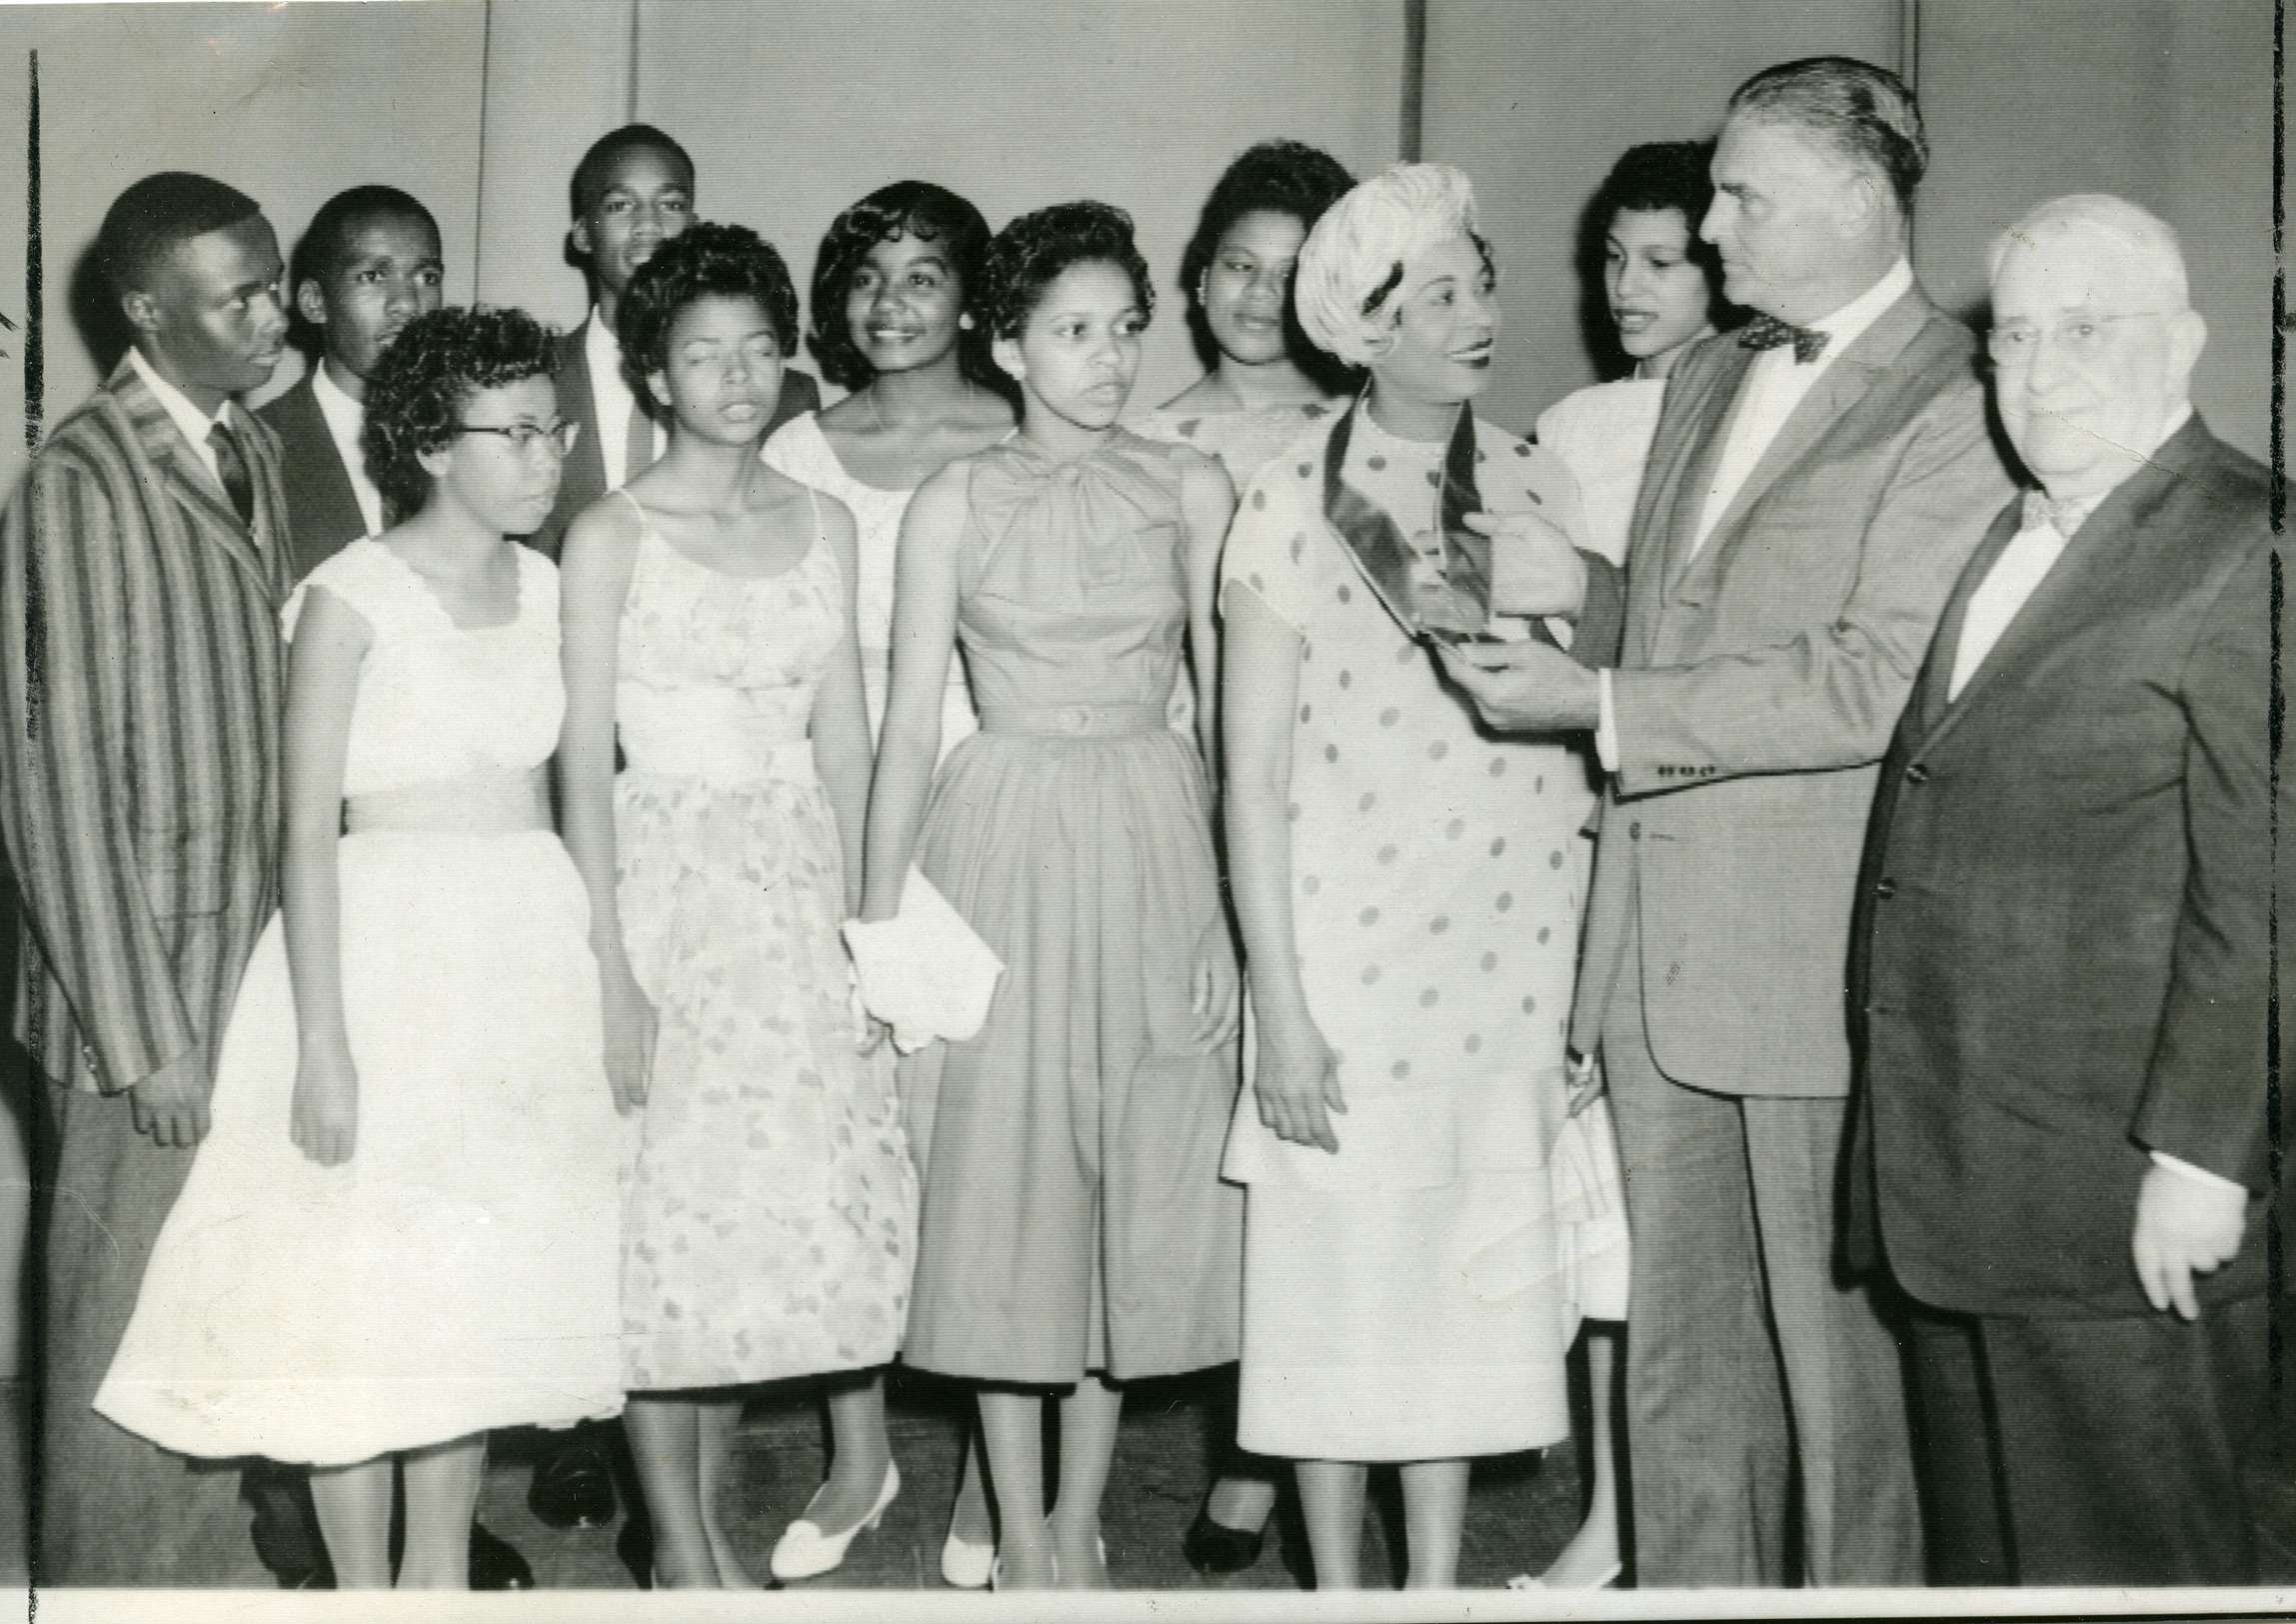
(403, 1231)
(710, 633)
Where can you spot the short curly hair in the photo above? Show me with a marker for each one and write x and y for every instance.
(419, 390)
(1028, 255)
(1275, 177)
(704, 261)
(928, 213)
(1656, 176)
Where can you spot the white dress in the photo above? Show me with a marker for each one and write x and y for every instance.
(461, 1271)
(1602, 434)
(799, 450)
(1401, 1299)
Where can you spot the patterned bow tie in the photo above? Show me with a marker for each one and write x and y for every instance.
(1768, 333)
(2062, 515)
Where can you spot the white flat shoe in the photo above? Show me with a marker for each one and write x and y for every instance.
(964, 1565)
(1602, 1581)
(805, 1552)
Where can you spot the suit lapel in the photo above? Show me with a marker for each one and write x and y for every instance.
(1698, 398)
(1839, 388)
(1695, 471)
(2090, 562)
(590, 449)
(206, 508)
(1929, 700)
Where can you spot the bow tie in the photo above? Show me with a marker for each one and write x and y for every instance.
(1768, 333)
(2063, 515)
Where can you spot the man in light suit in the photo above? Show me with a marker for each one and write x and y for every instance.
(2064, 953)
(632, 192)
(1816, 484)
(368, 264)
(143, 561)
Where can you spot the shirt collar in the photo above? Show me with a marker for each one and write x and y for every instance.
(334, 401)
(1848, 324)
(601, 348)
(2078, 509)
(194, 423)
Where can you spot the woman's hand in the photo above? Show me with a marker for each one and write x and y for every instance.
(1296, 1082)
(324, 1120)
(1583, 1082)
(630, 1030)
(1214, 986)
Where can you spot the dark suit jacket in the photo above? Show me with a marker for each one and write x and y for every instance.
(585, 478)
(1758, 688)
(2062, 926)
(323, 513)
(141, 671)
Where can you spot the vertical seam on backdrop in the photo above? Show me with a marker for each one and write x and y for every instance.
(479, 186)
(35, 359)
(1412, 115)
(629, 77)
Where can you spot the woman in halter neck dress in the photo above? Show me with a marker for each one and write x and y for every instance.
(771, 1213)
(1074, 1232)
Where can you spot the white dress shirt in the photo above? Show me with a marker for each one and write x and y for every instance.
(1772, 387)
(610, 397)
(345, 417)
(189, 419)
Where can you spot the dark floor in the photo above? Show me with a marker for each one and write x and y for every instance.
(1524, 1509)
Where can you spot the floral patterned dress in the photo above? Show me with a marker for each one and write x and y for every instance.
(772, 1219)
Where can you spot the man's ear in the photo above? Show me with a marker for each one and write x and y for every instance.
(311, 301)
(2187, 337)
(141, 308)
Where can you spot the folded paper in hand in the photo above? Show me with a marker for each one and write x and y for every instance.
(925, 973)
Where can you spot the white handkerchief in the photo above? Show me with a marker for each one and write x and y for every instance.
(925, 973)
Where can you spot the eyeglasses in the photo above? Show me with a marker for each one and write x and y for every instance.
(524, 437)
(2081, 337)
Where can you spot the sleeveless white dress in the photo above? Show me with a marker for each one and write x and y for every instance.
(799, 450)
(459, 1271)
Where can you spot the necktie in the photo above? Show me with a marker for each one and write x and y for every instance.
(2064, 516)
(1768, 333)
(231, 469)
(637, 444)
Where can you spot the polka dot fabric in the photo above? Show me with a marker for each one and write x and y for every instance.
(1434, 900)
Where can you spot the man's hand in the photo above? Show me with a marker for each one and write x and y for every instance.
(1529, 687)
(170, 1105)
(1534, 569)
(2184, 1226)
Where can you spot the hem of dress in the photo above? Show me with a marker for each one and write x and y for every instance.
(956, 1369)
(198, 1443)
(631, 1382)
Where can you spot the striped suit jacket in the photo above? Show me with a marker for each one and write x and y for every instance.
(141, 671)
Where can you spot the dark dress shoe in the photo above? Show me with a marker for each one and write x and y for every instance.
(573, 1487)
(1214, 1547)
(495, 1562)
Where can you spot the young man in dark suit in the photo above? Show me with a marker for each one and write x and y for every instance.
(2063, 954)
(632, 192)
(143, 563)
(368, 264)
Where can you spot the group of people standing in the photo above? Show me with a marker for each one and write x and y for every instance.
(436, 943)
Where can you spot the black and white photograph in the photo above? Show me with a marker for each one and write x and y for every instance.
(1290, 809)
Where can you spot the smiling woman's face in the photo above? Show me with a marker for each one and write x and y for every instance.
(1445, 329)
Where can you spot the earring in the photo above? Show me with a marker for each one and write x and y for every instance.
(965, 321)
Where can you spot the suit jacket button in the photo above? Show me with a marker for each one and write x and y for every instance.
(1634, 831)
(1915, 773)
(1885, 888)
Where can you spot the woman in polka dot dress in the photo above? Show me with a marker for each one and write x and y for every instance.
(1410, 908)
